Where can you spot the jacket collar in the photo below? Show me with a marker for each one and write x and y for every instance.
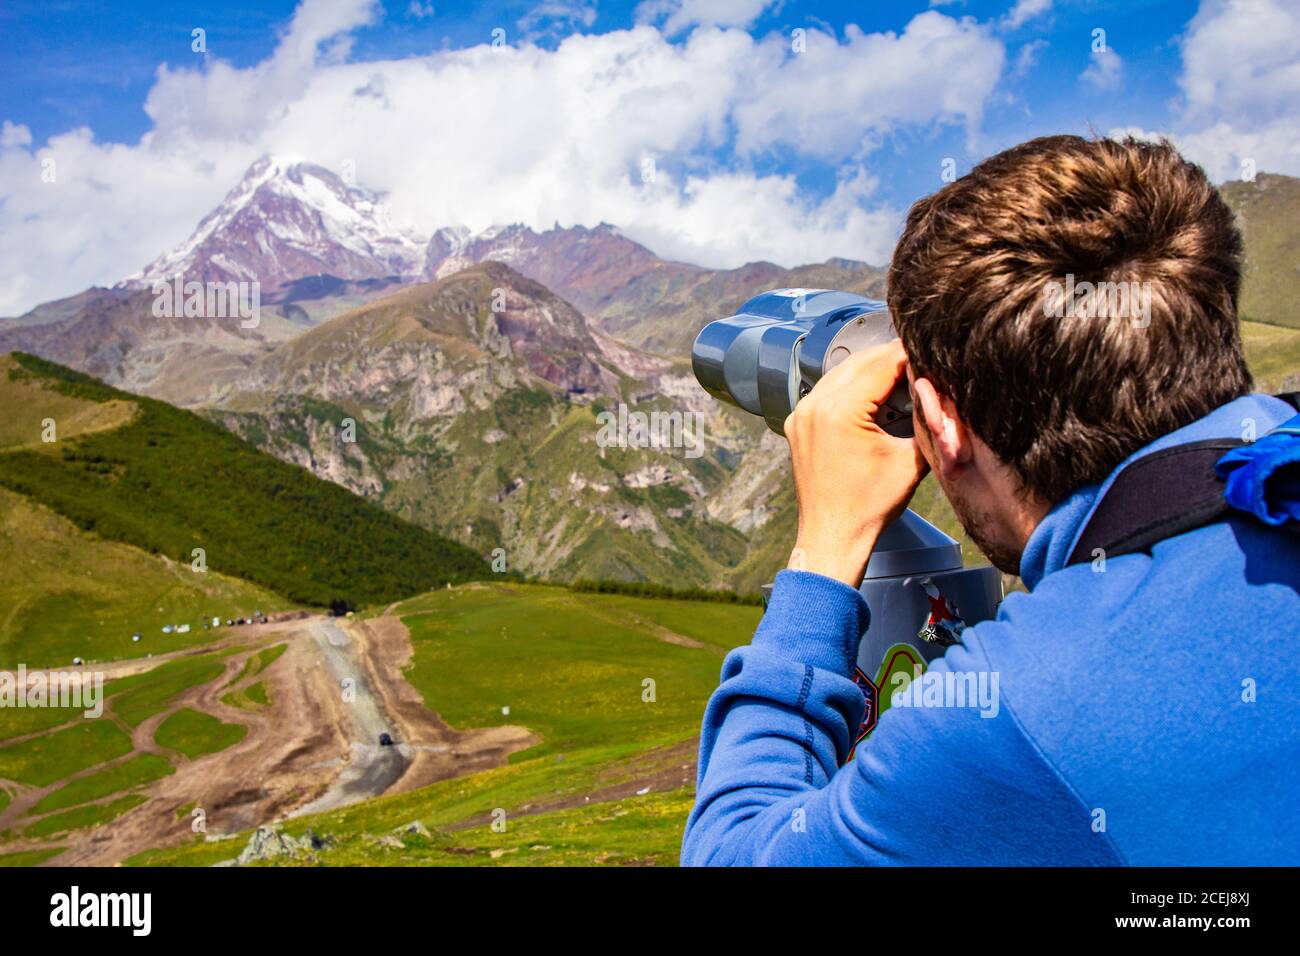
(1052, 542)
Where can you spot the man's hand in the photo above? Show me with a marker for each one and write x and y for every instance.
(851, 478)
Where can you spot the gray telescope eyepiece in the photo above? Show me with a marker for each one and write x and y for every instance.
(780, 343)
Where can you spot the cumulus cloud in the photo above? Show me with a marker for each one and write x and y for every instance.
(1104, 71)
(838, 99)
(1024, 11)
(556, 17)
(1241, 84)
(1027, 58)
(227, 103)
(486, 135)
(679, 15)
(14, 134)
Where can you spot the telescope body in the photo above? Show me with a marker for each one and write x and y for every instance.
(764, 359)
(774, 350)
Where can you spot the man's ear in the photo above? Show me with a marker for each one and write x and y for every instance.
(949, 437)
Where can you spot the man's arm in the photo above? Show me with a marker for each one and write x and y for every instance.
(932, 785)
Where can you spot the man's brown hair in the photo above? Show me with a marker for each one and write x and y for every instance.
(988, 292)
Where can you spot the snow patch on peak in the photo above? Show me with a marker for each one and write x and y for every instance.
(311, 213)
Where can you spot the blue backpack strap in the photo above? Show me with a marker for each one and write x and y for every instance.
(1179, 489)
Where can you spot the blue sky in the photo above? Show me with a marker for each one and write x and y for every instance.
(759, 153)
(69, 64)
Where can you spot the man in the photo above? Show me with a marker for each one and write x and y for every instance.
(1149, 703)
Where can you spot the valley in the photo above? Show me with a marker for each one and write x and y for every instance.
(476, 685)
(410, 438)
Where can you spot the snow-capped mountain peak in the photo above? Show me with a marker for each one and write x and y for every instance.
(287, 219)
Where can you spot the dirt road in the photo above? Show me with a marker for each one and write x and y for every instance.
(314, 746)
(371, 768)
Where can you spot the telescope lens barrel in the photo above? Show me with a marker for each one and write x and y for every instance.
(780, 343)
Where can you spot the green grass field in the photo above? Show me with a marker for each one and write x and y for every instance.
(61, 742)
(252, 697)
(195, 734)
(134, 698)
(140, 769)
(537, 650)
(57, 743)
(87, 816)
(55, 415)
(43, 760)
(29, 857)
(137, 698)
(1268, 213)
(259, 662)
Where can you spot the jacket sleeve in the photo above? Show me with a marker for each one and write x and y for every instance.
(937, 785)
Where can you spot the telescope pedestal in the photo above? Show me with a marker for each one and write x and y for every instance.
(920, 597)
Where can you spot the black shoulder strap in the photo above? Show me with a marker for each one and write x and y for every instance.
(1166, 493)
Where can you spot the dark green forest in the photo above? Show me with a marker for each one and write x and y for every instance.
(169, 482)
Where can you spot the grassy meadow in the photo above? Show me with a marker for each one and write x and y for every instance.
(572, 667)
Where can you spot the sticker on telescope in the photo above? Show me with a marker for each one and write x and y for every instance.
(872, 695)
(944, 626)
(901, 665)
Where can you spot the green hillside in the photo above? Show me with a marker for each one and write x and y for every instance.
(169, 481)
(1272, 355)
(1268, 212)
(66, 593)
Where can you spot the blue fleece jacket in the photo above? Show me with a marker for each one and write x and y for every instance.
(1148, 714)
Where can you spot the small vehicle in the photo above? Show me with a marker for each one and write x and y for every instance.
(385, 740)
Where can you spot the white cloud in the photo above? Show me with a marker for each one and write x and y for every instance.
(1024, 11)
(1241, 83)
(1027, 57)
(481, 136)
(678, 15)
(1241, 80)
(1104, 72)
(12, 134)
(225, 103)
(557, 17)
(841, 99)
